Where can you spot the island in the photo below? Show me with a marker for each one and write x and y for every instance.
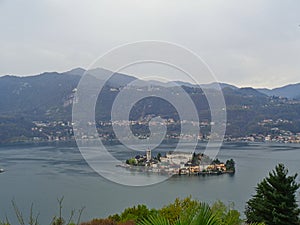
(180, 163)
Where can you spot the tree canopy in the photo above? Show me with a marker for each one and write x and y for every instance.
(275, 200)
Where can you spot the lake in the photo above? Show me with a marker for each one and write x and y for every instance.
(41, 174)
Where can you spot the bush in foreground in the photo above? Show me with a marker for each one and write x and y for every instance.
(181, 211)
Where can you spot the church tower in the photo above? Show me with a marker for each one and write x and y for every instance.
(148, 155)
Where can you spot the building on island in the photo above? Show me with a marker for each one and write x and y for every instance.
(148, 155)
(177, 158)
(180, 163)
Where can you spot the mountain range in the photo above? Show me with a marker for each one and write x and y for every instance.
(291, 91)
(49, 97)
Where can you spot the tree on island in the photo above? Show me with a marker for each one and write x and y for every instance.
(275, 200)
(132, 161)
(158, 156)
(216, 161)
(230, 165)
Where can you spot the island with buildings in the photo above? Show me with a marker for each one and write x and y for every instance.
(180, 163)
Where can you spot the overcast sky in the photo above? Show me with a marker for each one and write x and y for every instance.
(246, 43)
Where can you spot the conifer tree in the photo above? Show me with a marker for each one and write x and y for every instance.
(275, 200)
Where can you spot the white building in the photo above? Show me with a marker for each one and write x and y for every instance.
(177, 158)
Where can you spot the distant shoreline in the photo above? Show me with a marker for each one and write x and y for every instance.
(116, 142)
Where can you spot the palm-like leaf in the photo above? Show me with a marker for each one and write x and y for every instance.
(200, 215)
(157, 220)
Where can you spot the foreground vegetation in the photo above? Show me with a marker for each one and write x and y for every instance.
(273, 204)
(275, 199)
(181, 211)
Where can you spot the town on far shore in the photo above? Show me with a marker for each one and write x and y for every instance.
(180, 163)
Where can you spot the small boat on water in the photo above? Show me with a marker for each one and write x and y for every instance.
(1, 170)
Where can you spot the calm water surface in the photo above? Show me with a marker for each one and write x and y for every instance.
(41, 174)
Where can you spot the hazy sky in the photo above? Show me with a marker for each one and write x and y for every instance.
(246, 43)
